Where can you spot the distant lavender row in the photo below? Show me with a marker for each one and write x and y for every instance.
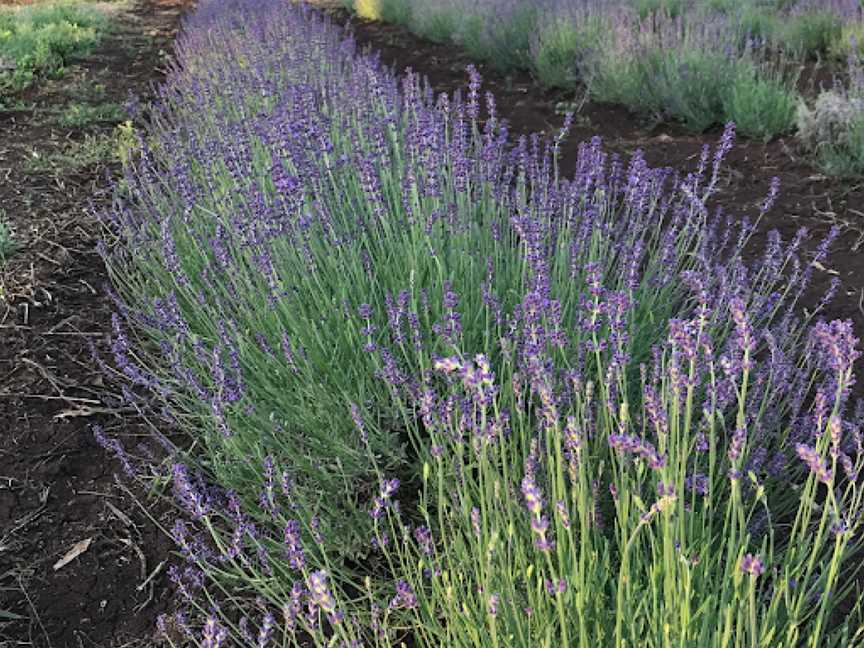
(436, 389)
(701, 62)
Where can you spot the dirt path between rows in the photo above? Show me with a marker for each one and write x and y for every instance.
(57, 486)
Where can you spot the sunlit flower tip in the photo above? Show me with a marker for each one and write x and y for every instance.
(815, 463)
(563, 513)
(493, 605)
(540, 524)
(319, 592)
(533, 498)
(448, 365)
(213, 635)
(752, 565)
(475, 521)
(835, 428)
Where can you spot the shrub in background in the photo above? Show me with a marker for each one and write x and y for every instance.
(40, 40)
(550, 411)
(832, 129)
(501, 33)
(666, 68)
(563, 39)
(761, 101)
(7, 241)
(438, 20)
(810, 33)
(398, 12)
(850, 42)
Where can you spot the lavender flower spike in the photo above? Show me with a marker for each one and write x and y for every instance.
(319, 592)
(815, 463)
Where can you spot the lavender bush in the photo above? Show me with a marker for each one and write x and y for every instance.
(435, 389)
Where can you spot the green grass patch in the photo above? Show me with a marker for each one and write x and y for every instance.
(81, 115)
(40, 41)
(91, 151)
(7, 241)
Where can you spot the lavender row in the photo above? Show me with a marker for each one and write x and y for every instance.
(435, 390)
(699, 62)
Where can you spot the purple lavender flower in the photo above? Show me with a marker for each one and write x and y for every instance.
(493, 604)
(555, 588)
(423, 536)
(405, 598)
(752, 565)
(533, 498)
(839, 344)
(294, 545)
(815, 463)
(319, 592)
(214, 635)
(265, 633)
(114, 446)
(291, 609)
(188, 494)
(627, 444)
(359, 423)
(383, 501)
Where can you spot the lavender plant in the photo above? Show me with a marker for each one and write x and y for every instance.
(437, 390)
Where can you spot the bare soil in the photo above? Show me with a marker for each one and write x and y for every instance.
(57, 486)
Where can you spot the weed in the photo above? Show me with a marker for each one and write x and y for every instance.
(40, 40)
(7, 241)
(92, 151)
(79, 115)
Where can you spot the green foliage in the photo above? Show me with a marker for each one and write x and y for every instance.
(646, 8)
(438, 25)
(686, 84)
(757, 24)
(7, 242)
(40, 40)
(398, 12)
(809, 34)
(761, 104)
(503, 41)
(79, 115)
(93, 150)
(560, 48)
(850, 42)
